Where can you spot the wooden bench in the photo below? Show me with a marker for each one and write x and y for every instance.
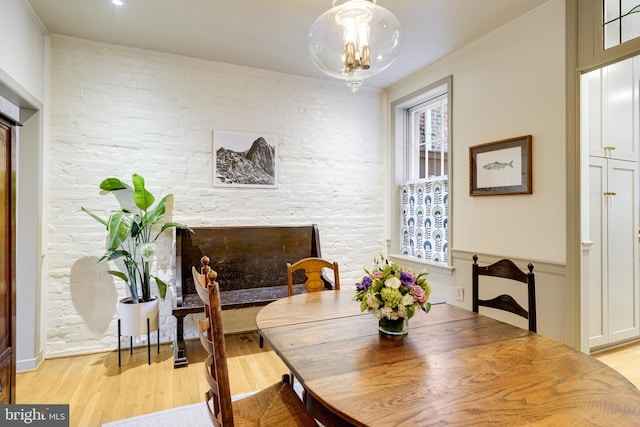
(251, 262)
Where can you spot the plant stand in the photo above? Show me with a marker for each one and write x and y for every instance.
(131, 343)
(135, 320)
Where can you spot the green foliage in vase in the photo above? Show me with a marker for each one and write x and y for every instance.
(132, 234)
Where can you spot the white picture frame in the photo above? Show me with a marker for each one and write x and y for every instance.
(245, 159)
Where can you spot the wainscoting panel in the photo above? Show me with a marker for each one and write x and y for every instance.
(551, 291)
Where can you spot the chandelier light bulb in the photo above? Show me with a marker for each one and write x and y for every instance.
(354, 40)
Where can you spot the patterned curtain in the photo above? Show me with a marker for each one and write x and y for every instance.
(425, 219)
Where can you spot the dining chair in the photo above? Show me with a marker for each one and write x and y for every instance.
(314, 271)
(315, 278)
(506, 269)
(277, 405)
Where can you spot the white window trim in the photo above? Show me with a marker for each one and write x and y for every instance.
(398, 165)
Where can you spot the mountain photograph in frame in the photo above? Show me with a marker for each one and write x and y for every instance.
(244, 159)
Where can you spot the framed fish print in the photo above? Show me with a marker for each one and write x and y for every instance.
(501, 167)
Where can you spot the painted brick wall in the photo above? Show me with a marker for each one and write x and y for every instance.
(117, 111)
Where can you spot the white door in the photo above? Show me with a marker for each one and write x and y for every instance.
(613, 271)
(598, 295)
(622, 249)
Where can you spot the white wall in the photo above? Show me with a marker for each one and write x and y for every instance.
(23, 61)
(118, 111)
(508, 84)
(23, 81)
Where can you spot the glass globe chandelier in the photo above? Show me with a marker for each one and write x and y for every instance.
(354, 40)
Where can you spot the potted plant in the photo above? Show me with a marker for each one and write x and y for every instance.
(132, 233)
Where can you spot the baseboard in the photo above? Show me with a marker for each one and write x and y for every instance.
(27, 365)
(239, 320)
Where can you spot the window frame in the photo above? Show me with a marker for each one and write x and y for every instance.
(620, 21)
(399, 141)
(589, 16)
(414, 169)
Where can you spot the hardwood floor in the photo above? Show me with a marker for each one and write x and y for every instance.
(98, 391)
(624, 360)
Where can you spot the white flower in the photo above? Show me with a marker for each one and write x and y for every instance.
(372, 301)
(387, 312)
(402, 311)
(407, 299)
(393, 282)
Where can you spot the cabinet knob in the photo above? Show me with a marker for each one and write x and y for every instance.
(609, 147)
(610, 193)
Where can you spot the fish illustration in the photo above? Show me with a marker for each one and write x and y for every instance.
(498, 165)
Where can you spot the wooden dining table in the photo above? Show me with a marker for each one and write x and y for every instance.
(454, 367)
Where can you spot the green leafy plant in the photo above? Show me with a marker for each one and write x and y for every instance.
(131, 234)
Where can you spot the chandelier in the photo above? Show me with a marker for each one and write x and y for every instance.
(355, 40)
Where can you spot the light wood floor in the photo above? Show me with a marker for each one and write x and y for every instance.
(98, 391)
(625, 360)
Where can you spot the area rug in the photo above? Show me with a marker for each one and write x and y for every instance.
(195, 415)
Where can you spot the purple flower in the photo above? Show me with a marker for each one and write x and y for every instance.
(366, 282)
(407, 279)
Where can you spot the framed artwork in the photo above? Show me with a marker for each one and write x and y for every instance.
(243, 159)
(501, 167)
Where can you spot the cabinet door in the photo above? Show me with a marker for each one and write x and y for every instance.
(622, 255)
(6, 377)
(591, 111)
(7, 301)
(619, 110)
(609, 109)
(598, 297)
(613, 261)
(5, 237)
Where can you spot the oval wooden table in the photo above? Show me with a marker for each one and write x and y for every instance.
(455, 367)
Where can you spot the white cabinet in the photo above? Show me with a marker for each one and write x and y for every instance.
(609, 98)
(609, 131)
(613, 261)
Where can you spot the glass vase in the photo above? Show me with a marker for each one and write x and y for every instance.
(394, 327)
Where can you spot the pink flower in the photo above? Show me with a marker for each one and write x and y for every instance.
(419, 294)
(377, 275)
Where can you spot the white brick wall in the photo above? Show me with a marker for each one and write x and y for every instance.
(118, 111)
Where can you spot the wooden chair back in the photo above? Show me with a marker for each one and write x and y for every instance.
(314, 274)
(218, 397)
(507, 269)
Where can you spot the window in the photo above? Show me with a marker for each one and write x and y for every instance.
(422, 123)
(428, 139)
(620, 21)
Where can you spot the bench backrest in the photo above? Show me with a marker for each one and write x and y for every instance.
(244, 256)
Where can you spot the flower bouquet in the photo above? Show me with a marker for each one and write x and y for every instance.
(393, 295)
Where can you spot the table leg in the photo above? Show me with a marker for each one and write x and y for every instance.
(179, 352)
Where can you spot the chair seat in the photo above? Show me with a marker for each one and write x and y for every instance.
(277, 406)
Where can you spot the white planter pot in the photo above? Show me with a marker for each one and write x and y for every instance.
(133, 317)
